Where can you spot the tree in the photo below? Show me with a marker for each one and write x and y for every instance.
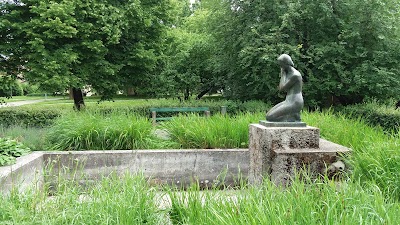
(346, 50)
(102, 43)
(189, 65)
(12, 56)
(140, 48)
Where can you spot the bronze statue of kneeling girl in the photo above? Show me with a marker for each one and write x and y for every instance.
(291, 82)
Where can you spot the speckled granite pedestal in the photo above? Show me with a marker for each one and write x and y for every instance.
(277, 150)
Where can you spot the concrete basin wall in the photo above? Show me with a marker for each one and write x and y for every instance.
(174, 167)
(26, 172)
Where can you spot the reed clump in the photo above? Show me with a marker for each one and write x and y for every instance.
(98, 131)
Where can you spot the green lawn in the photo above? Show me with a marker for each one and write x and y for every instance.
(26, 98)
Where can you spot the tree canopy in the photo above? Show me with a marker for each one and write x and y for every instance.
(103, 43)
(346, 50)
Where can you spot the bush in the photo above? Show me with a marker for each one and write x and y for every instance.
(27, 117)
(29, 89)
(142, 106)
(10, 87)
(10, 150)
(375, 114)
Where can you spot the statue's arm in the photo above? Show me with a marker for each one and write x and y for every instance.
(288, 83)
(283, 79)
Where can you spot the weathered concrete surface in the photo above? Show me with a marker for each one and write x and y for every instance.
(263, 140)
(277, 152)
(173, 167)
(286, 163)
(27, 171)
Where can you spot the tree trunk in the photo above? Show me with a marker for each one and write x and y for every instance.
(130, 91)
(78, 98)
(202, 93)
(187, 93)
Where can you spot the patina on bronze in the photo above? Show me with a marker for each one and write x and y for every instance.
(291, 82)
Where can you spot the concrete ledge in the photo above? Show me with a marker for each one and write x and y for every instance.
(27, 171)
(282, 124)
(285, 163)
(278, 152)
(324, 147)
(173, 167)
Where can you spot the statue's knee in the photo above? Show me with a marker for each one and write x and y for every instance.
(271, 117)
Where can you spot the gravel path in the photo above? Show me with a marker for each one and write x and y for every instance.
(26, 102)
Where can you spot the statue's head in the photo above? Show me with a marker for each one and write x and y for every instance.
(285, 59)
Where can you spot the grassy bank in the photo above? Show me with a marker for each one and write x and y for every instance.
(370, 193)
(132, 201)
(112, 201)
(376, 154)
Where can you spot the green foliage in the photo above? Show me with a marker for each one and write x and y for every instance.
(10, 150)
(129, 199)
(30, 90)
(27, 117)
(128, 127)
(190, 60)
(43, 114)
(106, 44)
(217, 131)
(95, 131)
(375, 155)
(111, 201)
(31, 137)
(321, 202)
(10, 87)
(346, 50)
(376, 114)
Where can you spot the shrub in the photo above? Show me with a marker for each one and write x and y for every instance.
(142, 106)
(31, 137)
(29, 89)
(375, 114)
(10, 150)
(10, 87)
(27, 117)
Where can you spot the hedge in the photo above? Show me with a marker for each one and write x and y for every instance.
(44, 116)
(374, 114)
(27, 117)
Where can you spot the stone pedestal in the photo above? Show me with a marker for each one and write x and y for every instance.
(278, 152)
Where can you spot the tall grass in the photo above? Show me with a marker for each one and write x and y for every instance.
(376, 155)
(370, 195)
(130, 200)
(217, 131)
(315, 203)
(96, 131)
(111, 201)
(32, 137)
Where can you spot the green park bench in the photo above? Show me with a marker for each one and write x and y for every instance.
(154, 112)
